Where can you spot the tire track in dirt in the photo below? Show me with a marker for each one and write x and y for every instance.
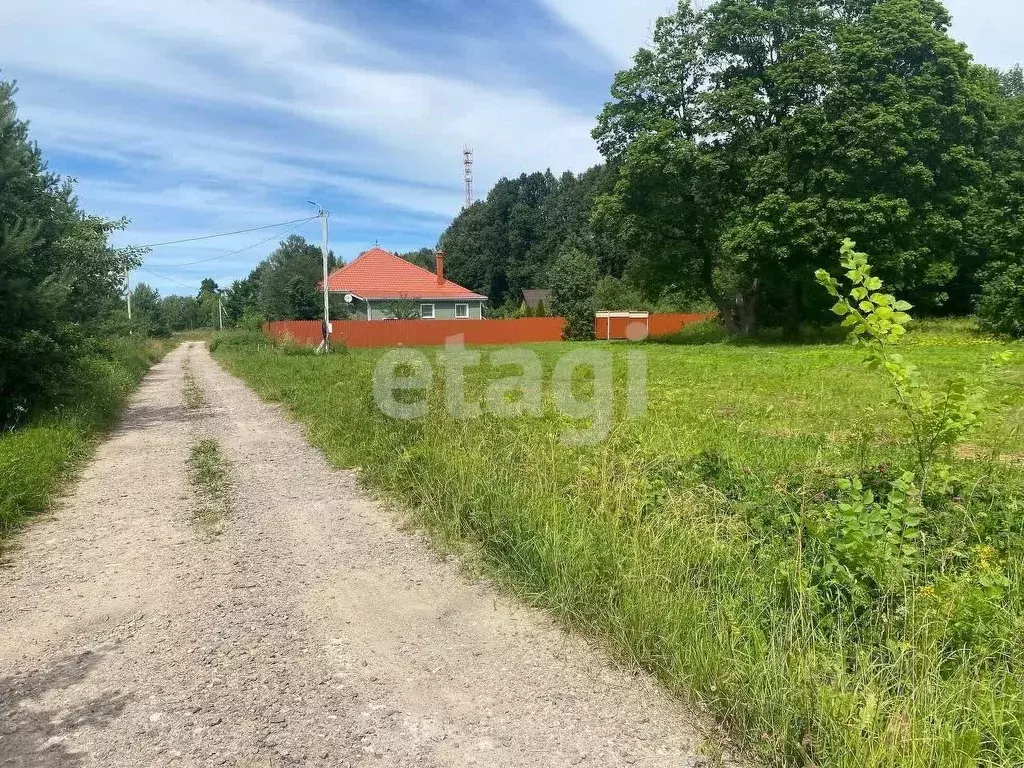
(310, 631)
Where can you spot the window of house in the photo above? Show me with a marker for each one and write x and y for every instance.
(427, 311)
(461, 311)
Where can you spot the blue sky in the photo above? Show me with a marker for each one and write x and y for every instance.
(199, 116)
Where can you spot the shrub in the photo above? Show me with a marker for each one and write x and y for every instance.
(573, 278)
(1001, 304)
(711, 331)
(613, 294)
(937, 418)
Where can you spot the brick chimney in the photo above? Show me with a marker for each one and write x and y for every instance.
(440, 266)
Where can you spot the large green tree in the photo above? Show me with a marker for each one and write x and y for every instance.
(754, 135)
(288, 281)
(148, 314)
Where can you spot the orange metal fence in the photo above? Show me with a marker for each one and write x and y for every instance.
(426, 333)
(421, 333)
(639, 327)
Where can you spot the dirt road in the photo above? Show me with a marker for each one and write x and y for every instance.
(310, 631)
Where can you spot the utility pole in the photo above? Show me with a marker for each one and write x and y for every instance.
(128, 297)
(325, 345)
(220, 311)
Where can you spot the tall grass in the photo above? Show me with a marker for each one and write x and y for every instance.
(674, 540)
(36, 459)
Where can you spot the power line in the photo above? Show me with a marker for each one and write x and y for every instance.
(240, 250)
(227, 234)
(168, 279)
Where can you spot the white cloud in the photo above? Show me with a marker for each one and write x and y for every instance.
(619, 28)
(278, 61)
(991, 29)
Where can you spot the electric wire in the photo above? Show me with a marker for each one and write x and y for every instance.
(161, 277)
(228, 234)
(234, 253)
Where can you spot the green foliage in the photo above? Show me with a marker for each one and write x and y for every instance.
(148, 317)
(705, 332)
(615, 294)
(507, 243)
(572, 278)
(937, 419)
(827, 118)
(1001, 304)
(869, 544)
(284, 346)
(423, 257)
(400, 310)
(243, 297)
(60, 281)
(1011, 82)
(288, 281)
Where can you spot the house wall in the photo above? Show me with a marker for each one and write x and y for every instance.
(443, 310)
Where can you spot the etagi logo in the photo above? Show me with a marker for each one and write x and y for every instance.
(581, 386)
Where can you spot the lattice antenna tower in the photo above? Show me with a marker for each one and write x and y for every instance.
(467, 175)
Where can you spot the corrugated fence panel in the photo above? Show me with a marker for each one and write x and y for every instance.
(421, 333)
(636, 329)
(662, 325)
(427, 333)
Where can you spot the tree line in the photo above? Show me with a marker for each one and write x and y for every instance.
(742, 147)
(750, 140)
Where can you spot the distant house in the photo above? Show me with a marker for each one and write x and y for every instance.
(534, 297)
(385, 286)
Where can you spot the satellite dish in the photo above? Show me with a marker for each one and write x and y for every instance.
(348, 298)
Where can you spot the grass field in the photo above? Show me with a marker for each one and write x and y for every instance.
(37, 458)
(693, 540)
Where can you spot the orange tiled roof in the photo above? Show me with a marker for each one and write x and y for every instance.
(380, 274)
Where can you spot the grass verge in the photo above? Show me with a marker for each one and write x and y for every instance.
(688, 539)
(191, 393)
(208, 473)
(38, 459)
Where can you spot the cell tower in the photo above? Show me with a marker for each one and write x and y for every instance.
(467, 175)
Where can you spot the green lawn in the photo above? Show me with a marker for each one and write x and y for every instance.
(693, 539)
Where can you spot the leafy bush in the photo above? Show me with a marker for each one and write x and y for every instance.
(573, 277)
(937, 418)
(1001, 304)
(711, 331)
(613, 294)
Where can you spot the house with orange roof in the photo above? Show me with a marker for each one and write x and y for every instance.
(384, 286)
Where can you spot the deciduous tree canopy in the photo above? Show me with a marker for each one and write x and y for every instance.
(754, 135)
